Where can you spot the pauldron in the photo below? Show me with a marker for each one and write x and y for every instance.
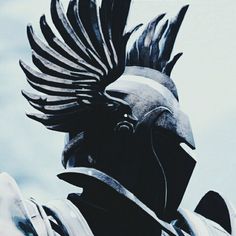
(213, 215)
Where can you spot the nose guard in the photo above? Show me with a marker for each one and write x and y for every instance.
(178, 124)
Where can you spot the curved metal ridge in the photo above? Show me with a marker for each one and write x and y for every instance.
(155, 75)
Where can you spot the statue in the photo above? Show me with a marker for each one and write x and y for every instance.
(124, 126)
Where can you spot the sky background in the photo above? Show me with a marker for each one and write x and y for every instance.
(205, 77)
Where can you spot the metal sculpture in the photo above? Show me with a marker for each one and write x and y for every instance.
(124, 126)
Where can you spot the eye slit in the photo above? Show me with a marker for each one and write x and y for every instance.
(91, 160)
(188, 150)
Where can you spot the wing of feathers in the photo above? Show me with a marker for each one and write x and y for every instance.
(75, 69)
(154, 46)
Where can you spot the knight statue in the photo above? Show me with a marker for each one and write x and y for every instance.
(125, 130)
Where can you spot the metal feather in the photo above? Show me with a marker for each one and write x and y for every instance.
(75, 70)
(154, 46)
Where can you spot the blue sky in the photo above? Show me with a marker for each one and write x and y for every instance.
(205, 77)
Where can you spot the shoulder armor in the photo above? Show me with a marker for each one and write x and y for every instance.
(197, 225)
(214, 215)
(19, 217)
(218, 209)
(67, 219)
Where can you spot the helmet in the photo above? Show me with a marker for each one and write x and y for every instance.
(119, 108)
